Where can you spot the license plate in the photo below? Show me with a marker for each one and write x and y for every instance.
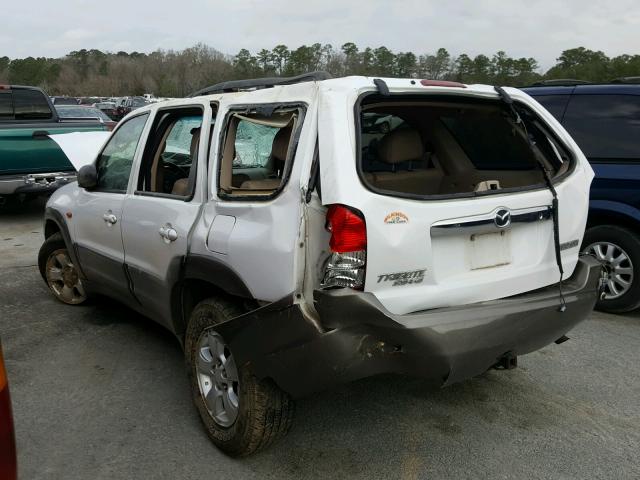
(489, 250)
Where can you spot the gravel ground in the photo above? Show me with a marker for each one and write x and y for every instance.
(100, 392)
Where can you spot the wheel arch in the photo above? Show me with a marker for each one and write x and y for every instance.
(51, 227)
(203, 278)
(54, 223)
(614, 213)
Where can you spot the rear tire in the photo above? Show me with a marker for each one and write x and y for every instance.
(252, 413)
(618, 249)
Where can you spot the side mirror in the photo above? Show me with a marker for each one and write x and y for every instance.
(88, 177)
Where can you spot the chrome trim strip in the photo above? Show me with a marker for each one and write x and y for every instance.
(486, 223)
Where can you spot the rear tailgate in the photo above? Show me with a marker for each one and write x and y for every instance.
(27, 148)
(428, 253)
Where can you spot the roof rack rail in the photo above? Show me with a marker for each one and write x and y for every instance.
(258, 83)
(560, 82)
(627, 80)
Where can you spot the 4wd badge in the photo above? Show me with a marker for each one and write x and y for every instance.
(396, 217)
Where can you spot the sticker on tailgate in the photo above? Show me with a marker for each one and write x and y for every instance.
(402, 278)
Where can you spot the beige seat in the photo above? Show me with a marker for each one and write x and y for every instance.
(279, 149)
(401, 146)
(181, 186)
(266, 184)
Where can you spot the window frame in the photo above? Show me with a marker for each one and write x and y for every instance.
(302, 108)
(37, 93)
(565, 95)
(357, 110)
(133, 161)
(594, 159)
(145, 152)
(11, 115)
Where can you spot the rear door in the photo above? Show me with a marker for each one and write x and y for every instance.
(254, 219)
(97, 218)
(160, 213)
(452, 249)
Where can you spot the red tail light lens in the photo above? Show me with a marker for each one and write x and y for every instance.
(348, 230)
(442, 83)
(348, 244)
(8, 468)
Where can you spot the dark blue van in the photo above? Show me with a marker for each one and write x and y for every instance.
(604, 120)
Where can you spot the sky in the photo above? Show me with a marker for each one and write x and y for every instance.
(523, 28)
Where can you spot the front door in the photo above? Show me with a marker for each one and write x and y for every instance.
(159, 215)
(98, 216)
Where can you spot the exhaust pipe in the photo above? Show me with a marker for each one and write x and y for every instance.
(508, 361)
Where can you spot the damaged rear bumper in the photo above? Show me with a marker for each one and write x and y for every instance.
(361, 338)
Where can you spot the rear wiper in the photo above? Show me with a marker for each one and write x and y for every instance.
(508, 101)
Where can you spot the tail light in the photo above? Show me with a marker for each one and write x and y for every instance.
(348, 244)
(8, 467)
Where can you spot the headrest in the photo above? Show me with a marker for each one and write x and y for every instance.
(400, 146)
(281, 144)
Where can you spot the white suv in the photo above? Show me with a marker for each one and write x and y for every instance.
(293, 244)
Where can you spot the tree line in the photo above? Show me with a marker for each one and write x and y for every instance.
(169, 73)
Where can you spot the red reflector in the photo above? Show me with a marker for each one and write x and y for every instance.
(7, 439)
(442, 83)
(5, 87)
(348, 230)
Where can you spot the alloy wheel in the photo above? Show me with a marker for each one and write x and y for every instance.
(218, 378)
(63, 279)
(618, 269)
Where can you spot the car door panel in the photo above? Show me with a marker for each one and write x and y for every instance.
(259, 239)
(98, 216)
(156, 227)
(99, 241)
(154, 262)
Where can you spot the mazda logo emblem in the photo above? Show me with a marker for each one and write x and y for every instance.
(503, 218)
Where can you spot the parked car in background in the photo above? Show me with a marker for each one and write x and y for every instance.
(605, 122)
(108, 108)
(79, 112)
(65, 101)
(129, 104)
(380, 123)
(31, 163)
(89, 100)
(438, 252)
(8, 463)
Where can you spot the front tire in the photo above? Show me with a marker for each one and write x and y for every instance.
(59, 272)
(618, 249)
(241, 413)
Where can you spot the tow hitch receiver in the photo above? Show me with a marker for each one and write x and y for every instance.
(508, 361)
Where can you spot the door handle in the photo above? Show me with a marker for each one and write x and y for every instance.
(109, 218)
(168, 233)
